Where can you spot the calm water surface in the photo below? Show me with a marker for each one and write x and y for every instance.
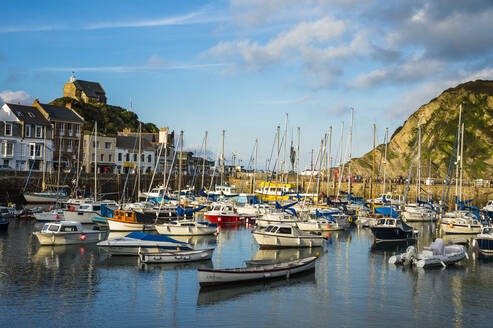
(353, 286)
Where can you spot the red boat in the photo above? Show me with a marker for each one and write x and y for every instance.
(225, 213)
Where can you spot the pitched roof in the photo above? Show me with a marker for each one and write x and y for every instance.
(132, 142)
(28, 114)
(91, 89)
(61, 113)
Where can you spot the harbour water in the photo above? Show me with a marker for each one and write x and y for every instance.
(352, 286)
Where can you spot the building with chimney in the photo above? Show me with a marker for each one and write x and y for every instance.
(85, 91)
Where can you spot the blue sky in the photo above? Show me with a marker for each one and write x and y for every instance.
(241, 65)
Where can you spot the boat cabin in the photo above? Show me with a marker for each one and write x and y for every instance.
(387, 222)
(226, 190)
(133, 217)
(223, 208)
(62, 226)
(283, 229)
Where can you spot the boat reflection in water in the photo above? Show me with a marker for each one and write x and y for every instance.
(212, 295)
(286, 254)
(54, 256)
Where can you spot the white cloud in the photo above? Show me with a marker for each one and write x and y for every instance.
(413, 69)
(14, 97)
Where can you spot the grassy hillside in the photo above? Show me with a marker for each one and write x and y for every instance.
(439, 122)
(111, 119)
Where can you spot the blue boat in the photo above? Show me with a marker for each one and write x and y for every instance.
(4, 224)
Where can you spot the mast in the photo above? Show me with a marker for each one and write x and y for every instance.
(140, 160)
(203, 162)
(298, 163)
(43, 184)
(461, 159)
(418, 183)
(350, 150)
(179, 169)
(340, 157)
(373, 178)
(79, 146)
(457, 159)
(277, 156)
(285, 141)
(385, 158)
(165, 164)
(59, 160)
(254, 166)
(222, 157)
(95, 160)
(329, 161)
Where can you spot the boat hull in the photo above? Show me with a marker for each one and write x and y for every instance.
(49, 216)
(39, 198)
(172, 230)
(69, 238)
(226, 219)
(4, 224)
(315, 226)
(460, 229)
(221, 277)
(391, 234)
(272, 241)
(484, 245)
(115, 225)
(80, 216)
(177, 257)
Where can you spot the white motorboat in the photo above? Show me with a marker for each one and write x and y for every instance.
(186, 228)
(415, 213)
(460, 222)
(208, 277)
(87, 211)
(51, 216)
(277, 217)
(437, 254)
(322, 224)
(137, 242)
(45, 197)
(177, 256)
(254, 209)
(67, 233)
(284, 235)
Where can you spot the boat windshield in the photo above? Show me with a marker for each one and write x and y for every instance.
(53, 228)
(284, 230)
(68, 229)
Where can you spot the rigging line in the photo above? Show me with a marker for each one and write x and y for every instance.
(126, 178)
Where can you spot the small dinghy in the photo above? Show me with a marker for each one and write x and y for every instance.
(437, 254)
(177, 256)
(209, 277)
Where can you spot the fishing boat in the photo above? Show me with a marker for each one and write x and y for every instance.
(177, 256)
(87, 211)
(209, 277)
(460, 222)
(186, 228)
(483, 243)
(67, 233)
(50, 216)
(284, 235)
(137, 242)
(223, 213)
(390, 227)
(130, 221)
(437, 254)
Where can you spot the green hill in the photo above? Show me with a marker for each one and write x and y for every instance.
(111, 119)
(439, 121)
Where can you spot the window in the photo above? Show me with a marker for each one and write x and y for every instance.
(102, 157)
(135, 157)
(7, 149)
(30, 114)
(69, 128)
(284, 231)
(109, 158)
(62, 129)
(77, 130)
(39, 132)
(93, 156)
(28, 131)
(127, 157)
(69, 145)
(34, 150)
(8, 129)
(142, 157)
(149, 158)
(107, 145)
(119, 157)
(95, 144)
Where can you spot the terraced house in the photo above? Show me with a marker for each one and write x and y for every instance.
(25, 139)
(67, 134)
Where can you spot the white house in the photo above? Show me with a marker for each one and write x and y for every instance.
(25, 138)
(127, 155)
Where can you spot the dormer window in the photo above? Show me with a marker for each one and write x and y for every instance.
(30, 114)
(8, 129)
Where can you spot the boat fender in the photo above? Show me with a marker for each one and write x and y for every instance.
(451, 225)
(82, 237)
(467, 256)
(57, 217)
